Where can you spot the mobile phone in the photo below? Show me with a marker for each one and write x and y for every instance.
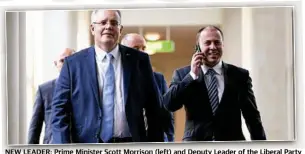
(197, 48)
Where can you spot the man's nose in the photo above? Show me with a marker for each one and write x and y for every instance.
(212, 46)
(108, 25)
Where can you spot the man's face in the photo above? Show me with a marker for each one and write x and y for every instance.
(106, 27)
(60, 61)
(211, 44)
(137, 42)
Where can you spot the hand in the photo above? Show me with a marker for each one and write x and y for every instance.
(196, 62)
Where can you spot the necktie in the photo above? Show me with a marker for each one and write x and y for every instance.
(212, 90)
(213, 93)
(108, 101)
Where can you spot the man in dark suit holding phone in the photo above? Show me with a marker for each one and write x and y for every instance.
(214, 94)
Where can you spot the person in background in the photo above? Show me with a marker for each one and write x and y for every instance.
(105, 89)
(42, 105)
(138, 42)
(214, 94)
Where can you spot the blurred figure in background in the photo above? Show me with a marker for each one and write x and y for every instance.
(136, 41)
(42, 105)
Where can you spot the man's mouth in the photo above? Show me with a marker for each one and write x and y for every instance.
(108, 34)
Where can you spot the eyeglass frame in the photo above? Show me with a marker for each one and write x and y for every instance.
(116, 24)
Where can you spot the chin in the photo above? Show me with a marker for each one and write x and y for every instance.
(213, 61)
(108, 41)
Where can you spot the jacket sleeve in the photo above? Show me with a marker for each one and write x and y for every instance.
(61, 107)
(250, 111)
(152, 107)
(37, 119)
(168, 118)
(178, 91)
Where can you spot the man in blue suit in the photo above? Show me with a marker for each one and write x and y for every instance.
(137, 41)
(105, 89)
(42, 106)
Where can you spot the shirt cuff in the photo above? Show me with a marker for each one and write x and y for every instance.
(193, 75)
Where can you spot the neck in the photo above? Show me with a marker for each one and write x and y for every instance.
(106, 47)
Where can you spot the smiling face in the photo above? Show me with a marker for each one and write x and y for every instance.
(106, 28)
(211, 44)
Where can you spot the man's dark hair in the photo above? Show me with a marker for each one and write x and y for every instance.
(209, 26)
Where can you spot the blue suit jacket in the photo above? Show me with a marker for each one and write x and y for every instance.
(167, 117)
(77, 93)
(42, 113)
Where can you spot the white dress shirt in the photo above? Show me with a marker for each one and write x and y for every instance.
(219, 75)
(121, 128)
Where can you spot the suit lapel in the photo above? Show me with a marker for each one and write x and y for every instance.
(54, 84)
(53, 88)
(226, 84)
(92, 72)
(126, 62)
(202, 81)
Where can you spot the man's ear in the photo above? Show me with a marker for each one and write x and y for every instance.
(121, 29)
(92, 29)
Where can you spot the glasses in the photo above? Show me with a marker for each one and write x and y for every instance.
(111, 22)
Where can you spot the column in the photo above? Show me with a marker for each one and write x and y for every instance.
(233, 21)
(16, 81)
(48, 33)
(59, 31)
(267, 54)
(83, 29)
(231, 27)
(3, 92)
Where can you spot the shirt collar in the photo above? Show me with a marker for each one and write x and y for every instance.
(100, 54)
(217, 68)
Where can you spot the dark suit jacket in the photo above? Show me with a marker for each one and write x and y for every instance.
(226, 124)
(77, 93)
(167, 117)
(42, 113)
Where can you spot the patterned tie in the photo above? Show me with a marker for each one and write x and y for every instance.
(108, 101)
(212, 90)
(213, 93)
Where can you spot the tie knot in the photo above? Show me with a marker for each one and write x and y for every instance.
(211, 72)
(109, 56)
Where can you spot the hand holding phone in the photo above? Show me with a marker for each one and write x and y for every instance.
(197, 60)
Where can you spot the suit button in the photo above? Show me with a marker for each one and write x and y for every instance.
(100, 118)
(96, 135)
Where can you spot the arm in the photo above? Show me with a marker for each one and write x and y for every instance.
(250, 111)
(173, 99)
(152, 107)
(169, 117)
(37, 119)
(60, 107)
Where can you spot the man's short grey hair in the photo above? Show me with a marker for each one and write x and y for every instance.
(94, 12)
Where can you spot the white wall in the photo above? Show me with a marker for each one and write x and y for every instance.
(51, 32)
(164, 17)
